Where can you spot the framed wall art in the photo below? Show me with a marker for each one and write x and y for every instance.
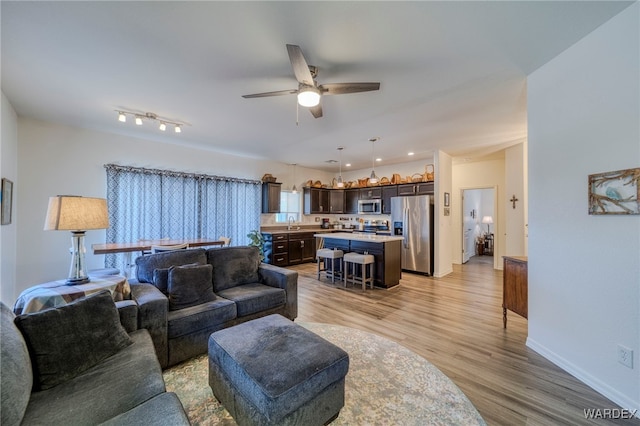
(6, 197)
(615, 192)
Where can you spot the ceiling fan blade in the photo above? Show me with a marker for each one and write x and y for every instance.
(276, 93)
(316, 111)
(299, 64)
(345, 88)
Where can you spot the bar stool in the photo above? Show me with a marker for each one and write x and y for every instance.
(366, 261)
(335, 256)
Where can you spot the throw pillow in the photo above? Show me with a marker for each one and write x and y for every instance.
(161, 279)
(66, 341)
(190, 286)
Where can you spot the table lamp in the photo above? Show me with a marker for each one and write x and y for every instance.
(76, 214)
(488, 220)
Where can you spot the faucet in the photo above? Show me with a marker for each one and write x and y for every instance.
(290, 221)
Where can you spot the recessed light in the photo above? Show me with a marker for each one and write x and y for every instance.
(411, 153)
(348, 165)
(378, 159)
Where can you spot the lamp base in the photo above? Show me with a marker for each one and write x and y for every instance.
(76, 281)
(77, 271)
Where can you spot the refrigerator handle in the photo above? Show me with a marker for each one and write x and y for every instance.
(405, 228)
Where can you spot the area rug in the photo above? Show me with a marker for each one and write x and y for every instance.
(387, 384)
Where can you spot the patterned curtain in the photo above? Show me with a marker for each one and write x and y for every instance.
(149, 204)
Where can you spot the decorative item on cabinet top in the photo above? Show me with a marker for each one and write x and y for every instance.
(396, 179)
(268, 178)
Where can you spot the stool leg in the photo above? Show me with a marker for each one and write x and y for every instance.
(318, 263)
(333, 271)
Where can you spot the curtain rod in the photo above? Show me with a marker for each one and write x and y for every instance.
(173, 173)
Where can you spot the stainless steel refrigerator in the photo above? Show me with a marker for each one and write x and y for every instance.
(412, 218)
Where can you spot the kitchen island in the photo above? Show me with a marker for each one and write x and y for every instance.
(384, 248)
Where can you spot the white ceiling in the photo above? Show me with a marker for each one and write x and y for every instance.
(452, 74)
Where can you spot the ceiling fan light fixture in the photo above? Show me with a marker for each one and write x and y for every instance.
(309, 96)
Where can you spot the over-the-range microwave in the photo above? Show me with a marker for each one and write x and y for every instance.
(370, 206)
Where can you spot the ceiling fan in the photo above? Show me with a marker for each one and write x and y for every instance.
(309, 91)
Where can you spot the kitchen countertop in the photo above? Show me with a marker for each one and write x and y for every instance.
(360, 237)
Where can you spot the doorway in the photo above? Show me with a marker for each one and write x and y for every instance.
(478, 223)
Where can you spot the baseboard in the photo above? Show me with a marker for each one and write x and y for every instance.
(596, 384)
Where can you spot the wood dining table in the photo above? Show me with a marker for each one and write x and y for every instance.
(145, 246)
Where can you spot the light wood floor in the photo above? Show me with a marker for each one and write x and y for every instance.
(455, 322)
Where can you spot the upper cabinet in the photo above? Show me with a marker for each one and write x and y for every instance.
(370, 193)
(316, 200)
(419, 188)
(351, 197)
(271, 197)
(336, 201)
(387, 193)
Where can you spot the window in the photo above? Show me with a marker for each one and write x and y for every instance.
(289, 207)
(154, 204)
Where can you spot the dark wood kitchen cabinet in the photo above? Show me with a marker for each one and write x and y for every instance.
(351, 197)
(316, 200)
(418, 188)
(370, 193)
(387, 193)
(302, 248)
(336, 201)
(271, 197)
(276, 249)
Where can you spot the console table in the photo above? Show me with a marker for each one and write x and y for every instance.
(515, 287)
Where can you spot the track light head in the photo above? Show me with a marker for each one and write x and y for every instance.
(150, 116)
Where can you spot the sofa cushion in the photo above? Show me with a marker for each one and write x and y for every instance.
(203, 316)
(145, 265)
(114, 386)
(17, 375)
(233, 266)
(255, 297)
(65, 341)
(164, 409)
(189, 286)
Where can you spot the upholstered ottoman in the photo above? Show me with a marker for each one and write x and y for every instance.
(271, 371)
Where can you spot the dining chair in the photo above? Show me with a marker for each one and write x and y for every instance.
(225, 240)
(161, 249)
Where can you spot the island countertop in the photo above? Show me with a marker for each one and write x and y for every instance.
(372, 238)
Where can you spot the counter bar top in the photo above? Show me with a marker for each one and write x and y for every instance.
(373, 238)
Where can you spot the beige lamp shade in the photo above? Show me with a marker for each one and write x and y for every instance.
(487, 219)
(75, 213)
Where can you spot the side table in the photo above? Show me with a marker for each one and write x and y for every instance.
(57, 293)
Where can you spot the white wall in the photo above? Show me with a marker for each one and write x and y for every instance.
(584, 271)
(55, 159)
(515, 225)
(473, 175)
(9, 170)
(443, 215)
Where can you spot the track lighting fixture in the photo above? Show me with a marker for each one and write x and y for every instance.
(139, 118)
